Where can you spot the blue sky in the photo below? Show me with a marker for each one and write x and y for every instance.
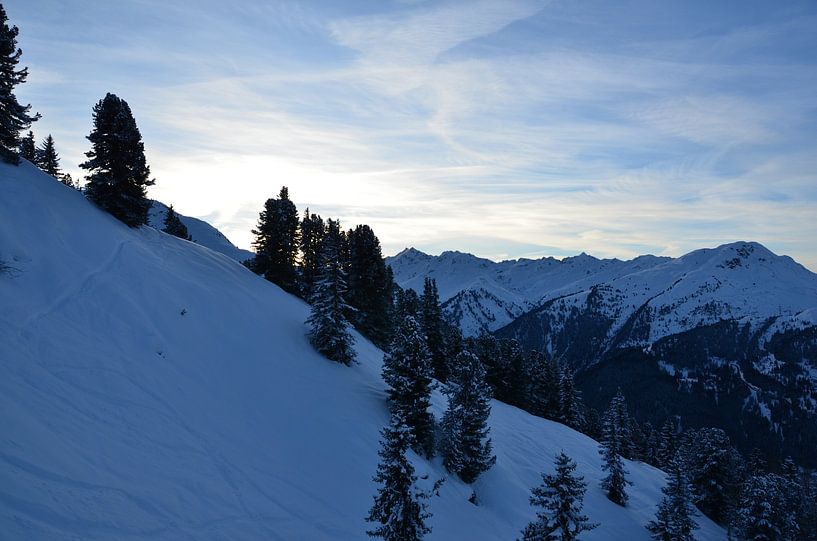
(506, 128)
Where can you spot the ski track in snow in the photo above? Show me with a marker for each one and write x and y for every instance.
(125, 419)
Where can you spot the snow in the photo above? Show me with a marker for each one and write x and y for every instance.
(741, 281)
(202, 233)
(154, 388)
(490, 295)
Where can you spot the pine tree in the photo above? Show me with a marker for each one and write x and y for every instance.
(407, 372)
(466, 449)
(68, 180)
(276, 242)
(28, 148)
(714, 469)
(118, 173)
(47, 158)
(174, 226)
(329, 331)
(570, 401)
(311, 238)
(758, 513)
(14, 117)
(667, 443)
(370, 285)
(674, 519)
(614, 444)
(542, 387)
(560, 499)
(398, 512)
(433, 327)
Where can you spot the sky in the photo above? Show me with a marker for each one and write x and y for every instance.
(504, 128)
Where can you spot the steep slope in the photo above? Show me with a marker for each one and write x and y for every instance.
(153, 388)
(202, 233)
(480, 294)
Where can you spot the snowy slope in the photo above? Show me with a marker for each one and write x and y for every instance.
(153, 388)
(202, 233)
(482, 294)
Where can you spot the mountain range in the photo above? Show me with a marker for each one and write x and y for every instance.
(723, 336)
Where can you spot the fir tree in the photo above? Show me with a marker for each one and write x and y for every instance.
(370, 285)
(714, 469)
(68, 180)
(407, 372)
(406, 303)
(398, 512)
(570, 402)
(765, 513)
(614, 444)
(329, 331)
(543, 391)
(466, 449)
(674, 519)
(311, 238)
(667, 443)
(276, 242)
(433, 327)
(14, 117)
(174, 226)
(47, 158)
(560, 499)
(118, 173)
(28, 148)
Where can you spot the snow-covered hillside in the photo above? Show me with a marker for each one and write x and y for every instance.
(153, 388)
(201, 232)
(482, 294)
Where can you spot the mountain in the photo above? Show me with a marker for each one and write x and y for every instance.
(480, 294)
(723, 337)
(202, 233)
(154, 388)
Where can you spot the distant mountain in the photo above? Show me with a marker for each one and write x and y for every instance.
(202, 233)
(480, 294)
(724, 336)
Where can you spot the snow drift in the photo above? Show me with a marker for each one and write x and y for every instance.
(153, 388)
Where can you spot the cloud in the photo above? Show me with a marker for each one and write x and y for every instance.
(434, 125)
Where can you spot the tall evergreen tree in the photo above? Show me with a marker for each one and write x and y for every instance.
(714, 469)
(667, 443)
(614, 444)
(406, 303)
(329, 331)
(560, 499)
(433, 327)
(174, 226)
(407, 372)
(14, 117)
(570, 401)
(543, 387)
(398, 512)
(674, 519)
(47, 158)
(370, 285)
(118, 173)
(311, 238)
(28, 148)
(466, 448)
(276, 242)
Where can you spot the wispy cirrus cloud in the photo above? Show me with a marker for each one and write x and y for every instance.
(554, 126)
